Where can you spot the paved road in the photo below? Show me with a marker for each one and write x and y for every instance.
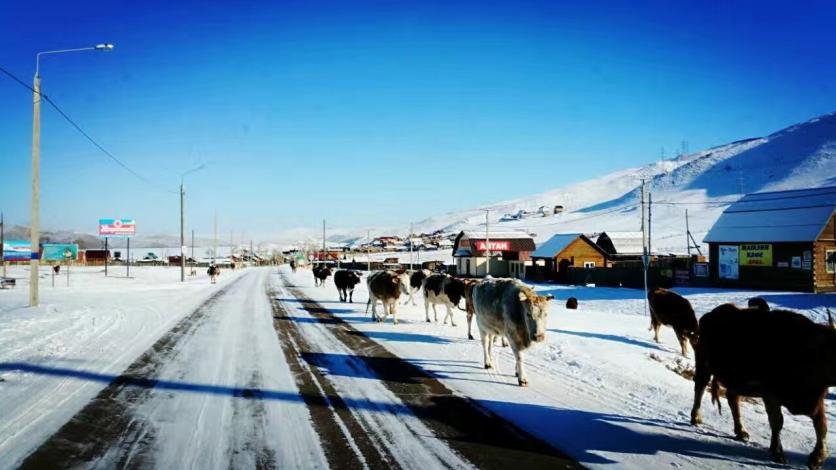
(261, 377)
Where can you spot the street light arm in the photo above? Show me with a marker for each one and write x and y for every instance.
(97, 47)
(183, 175)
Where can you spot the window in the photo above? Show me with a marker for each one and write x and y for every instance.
(589, 264)
(830, 261)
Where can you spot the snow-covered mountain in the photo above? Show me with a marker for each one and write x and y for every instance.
(800, 156)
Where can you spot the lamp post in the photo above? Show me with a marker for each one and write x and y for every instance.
(182, 223)
(35, 217)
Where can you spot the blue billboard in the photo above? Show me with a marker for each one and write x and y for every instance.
(16, 250)
(60, 251)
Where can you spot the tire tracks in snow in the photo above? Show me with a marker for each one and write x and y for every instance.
(480, 436)
(107, 425)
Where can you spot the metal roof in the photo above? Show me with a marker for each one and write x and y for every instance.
(625, 243)
(506, 235)
(779, 216)
(556, 244)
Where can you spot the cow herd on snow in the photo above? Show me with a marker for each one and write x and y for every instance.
(780, 356)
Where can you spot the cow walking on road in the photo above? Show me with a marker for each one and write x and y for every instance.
(509, 308)
(669, 308)
(780, 356)
(384, 286)
(345, 281)
(416, 281)
(214, 271)
(321, 274)
(445, 290)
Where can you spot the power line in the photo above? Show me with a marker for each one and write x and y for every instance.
(85, 134)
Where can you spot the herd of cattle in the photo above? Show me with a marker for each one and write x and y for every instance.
(780, 356)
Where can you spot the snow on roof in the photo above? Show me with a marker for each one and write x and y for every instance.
(625, 243)
(779, 216)
(555, 245)
(495, 235)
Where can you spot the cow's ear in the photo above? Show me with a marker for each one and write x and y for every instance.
(396, 280)
(523, 297)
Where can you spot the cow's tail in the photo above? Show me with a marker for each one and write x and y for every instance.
(368, 302)
(715, 394)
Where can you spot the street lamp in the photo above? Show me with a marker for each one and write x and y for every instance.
(182, 223)
(35, 221)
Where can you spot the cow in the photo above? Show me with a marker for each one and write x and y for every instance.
(214, 271)
(572, 303)
(508, 308)
(779, 356)
(56, 269)
(384, 286)
(758, 303)
(669, 308)
(442, 289)
(416, 281)
(345, 281)
(320, 274)
(293, 266)
(469, 284)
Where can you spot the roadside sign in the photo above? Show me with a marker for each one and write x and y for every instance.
(60, 251)
(17, 250)
(117, 227)
(756, 254)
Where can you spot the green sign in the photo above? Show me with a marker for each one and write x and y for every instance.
(60, 251)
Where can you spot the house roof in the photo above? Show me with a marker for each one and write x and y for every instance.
(779, 216)
(520, 241)
(556, 244)
(623, 243)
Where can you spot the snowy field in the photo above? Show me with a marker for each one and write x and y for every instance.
(227, 394)
(600, 388)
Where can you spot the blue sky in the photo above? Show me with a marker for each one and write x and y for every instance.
(377, 113)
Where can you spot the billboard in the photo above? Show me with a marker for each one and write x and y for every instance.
(60, 251)
(117, 227)
(728, 264)
(756, 254)
(495, 245)
(16, 250)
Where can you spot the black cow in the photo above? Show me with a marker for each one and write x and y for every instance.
(442, 289)
(345, 281)
(780, 356)
(320, 274)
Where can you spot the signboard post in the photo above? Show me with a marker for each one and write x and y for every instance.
(120, 228)
(60, 252)
(729, 259)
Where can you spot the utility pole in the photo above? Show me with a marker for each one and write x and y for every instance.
(487, 243)
(215, 240)
(3, 243)
(649, 223)
(35, 216)
(182, 240)
(324, 253)
(644, 250)
(687, 234)
(369, 250)
(411, 230)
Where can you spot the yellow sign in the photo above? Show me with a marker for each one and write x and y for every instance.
(758, 254)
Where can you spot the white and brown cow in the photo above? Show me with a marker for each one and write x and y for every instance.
(442, 289)
(384, 286)
(509, 308)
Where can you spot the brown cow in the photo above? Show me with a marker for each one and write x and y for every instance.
(385, 286)
(572, 303)
(669, 308)
(780, 356)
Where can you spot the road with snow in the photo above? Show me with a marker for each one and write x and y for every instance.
(264, 370)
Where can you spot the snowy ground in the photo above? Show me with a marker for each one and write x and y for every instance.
(600, 388)
(213, 376)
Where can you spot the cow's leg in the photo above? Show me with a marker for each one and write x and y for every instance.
(393, 309)
(427, 308)
(702, 376)
(450, 315)
(435, 313)
(683, 342)
(351, 295)
(412, 296)
(469, 325)
(734, 404)
(776, 422)
(486, 348)
(518, 354)
(819, 454)
(655, 325)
